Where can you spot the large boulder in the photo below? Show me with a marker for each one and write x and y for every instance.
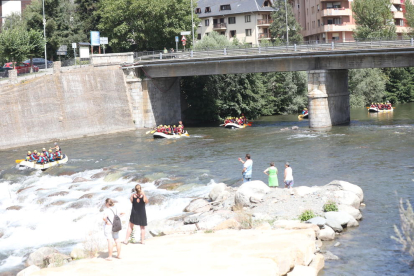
(301, 270)
(56, 260)
(228, 224)
(36, 258)
(198, 205)
(348, 198)
(352, 223)
(318, 262)
(341, 217)
(80, 179)
(78, 253)
(252, 189)
(346, 186)
(320, 221)
(218, 192)
(356, 213)
(304, 190)
(335, 225)
(327, 234)
(28, 270)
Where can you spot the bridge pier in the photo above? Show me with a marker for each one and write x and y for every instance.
(328, 98)
(153, 101)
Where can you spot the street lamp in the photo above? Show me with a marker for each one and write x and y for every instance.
(192, 21)
(287, 27)
(44, 32)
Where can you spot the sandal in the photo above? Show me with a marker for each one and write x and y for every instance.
(126, 243)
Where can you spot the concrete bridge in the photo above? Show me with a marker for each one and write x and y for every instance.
(156, 74)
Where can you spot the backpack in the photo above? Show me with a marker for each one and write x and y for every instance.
(116, 225)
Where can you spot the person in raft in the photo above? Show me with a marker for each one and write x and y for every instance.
(112, 237)
(305, 111)
(138, 213)
(272, 173)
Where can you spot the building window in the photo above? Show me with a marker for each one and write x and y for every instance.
(317, 6)
(267, 3)
(247, 18)
(198, 10)
(335, 36)
(199, 36)
(313, 9)
(319, 23)
(248, 32)
(337, 5)
(232, 20)
(225, 7)
(207, 10)
(307, 11)
(337, 21)
(330, 21)
(313, 24)
(206, 34)
(207, 22)
(223, 33)
(232, 34)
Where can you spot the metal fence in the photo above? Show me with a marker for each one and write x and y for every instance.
(270, 49)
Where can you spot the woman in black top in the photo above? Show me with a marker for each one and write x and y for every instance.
(138, 214)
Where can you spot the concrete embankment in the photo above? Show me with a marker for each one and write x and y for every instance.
(71, 104)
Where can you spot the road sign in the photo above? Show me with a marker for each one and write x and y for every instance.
(184, 43)
(176, 39)
(183, 38)
(104, 40)
(95, 38)
(73, 45)
(185, 33)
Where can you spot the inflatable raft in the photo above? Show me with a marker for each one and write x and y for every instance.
(233, 125)
(301, 116)
(376, 109)
(170, 136)
(37, 166)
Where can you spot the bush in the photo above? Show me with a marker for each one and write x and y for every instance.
(330, 206)
(307, 215)
(405, 236)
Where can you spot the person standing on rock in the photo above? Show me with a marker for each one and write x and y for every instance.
(272, 173)
(138, 213)
(112, 237)
(247, 168)
(288, 177)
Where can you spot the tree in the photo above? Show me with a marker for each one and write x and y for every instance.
(62, 23)
(374, 19)
(213, 41)
(136, 25)
(278, 27)
(366, 86)
(400, 85)
(409, 15)
(88, 15)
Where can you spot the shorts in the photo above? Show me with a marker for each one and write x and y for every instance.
(109, 234)
(247, 178)
(289, 183)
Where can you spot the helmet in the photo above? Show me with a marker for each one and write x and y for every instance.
(50, 150)
(174, 126)
(35, 151)
(305, 108)
(41, 154)
(27, 158)
(29, 152)
(43, 149)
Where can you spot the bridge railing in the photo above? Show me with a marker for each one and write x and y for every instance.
(250, 50)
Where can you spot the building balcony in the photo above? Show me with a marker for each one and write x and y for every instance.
(264, 36)
(401, 29)
(397, 2)
(338, 28)
(336, 12)
(264, 22)
(398, 15)
(220, 26)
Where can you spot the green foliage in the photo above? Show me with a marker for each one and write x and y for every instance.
(278, 27)
(213, 41)
(400, 85)
(88, 16)
(209, 231)
(62, 23)
(409, 14)
(374, 19)
(405, 236)
(366, 86)
(307, 215)
(144, 24)
(330, 206)
(13, 21)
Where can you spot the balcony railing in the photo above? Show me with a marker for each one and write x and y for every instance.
(336, 12)
(220, 26)
(264, 21)
(338, 27)
(397, 2)
(264, 35)
(398, 15)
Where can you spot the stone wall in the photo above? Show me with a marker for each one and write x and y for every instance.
(86, 101)
(114, 58)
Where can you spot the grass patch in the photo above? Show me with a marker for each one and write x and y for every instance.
(307, 215)
(330, 206)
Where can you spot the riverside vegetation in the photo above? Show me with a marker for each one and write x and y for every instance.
(286, 229)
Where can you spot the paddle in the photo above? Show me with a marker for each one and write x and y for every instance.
(222, 125)
(19, 160)
(150, 131)
(249, 124)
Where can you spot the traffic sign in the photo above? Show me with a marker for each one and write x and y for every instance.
(103, 40)
(183, 38)
(184, 43)
(185, 33)
(73, 45)
(176, 39)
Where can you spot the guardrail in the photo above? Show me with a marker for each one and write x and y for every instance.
(250, 50)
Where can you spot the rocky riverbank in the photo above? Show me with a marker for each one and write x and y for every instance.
(248, 230)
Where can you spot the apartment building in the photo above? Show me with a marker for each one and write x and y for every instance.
(327, 20)
(12, 6)
(246, 20)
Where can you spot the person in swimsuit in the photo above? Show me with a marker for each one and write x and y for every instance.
(138, 213)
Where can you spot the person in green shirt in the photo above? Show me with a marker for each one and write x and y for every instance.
(272, 173)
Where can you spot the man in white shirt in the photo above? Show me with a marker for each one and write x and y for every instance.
(288, 177)
(247, 168)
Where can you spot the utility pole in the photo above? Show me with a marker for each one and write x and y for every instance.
(44, 32)
(287, 27)
(192, 21)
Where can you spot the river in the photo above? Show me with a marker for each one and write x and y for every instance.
(375, 152)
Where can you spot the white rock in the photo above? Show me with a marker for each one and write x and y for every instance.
(327, 234)
(198, 205)
(261, 216)
(78, 252)
(348, 198)
(335, 225)
(341, 217)
(318, 262)
(256, 189)
(350, 210)
(36, 258)
(320, 221)
(303, 190)
(218, 192)
(352, 223)
(346, 186)
(301, 270)
(264, 226)
(28, 270)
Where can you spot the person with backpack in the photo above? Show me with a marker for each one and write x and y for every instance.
(112, 227)
(138, 213)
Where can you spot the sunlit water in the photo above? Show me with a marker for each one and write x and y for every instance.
(375, 152)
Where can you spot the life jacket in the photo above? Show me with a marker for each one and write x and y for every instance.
(41, 159)
(51, 156)
(58, 154)
(33, 156)
(46, 154)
